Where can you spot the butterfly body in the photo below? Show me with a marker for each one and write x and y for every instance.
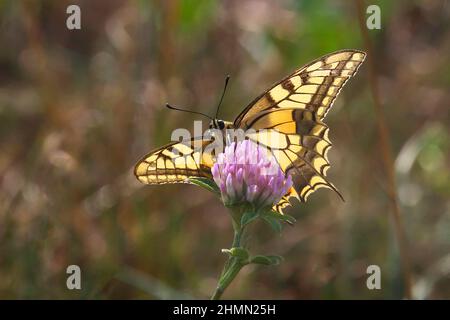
(287, 119)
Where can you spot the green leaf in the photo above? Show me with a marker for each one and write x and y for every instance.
(205, 183)
(266, 260)
(248, 217)
(273, 222)
(283, 217)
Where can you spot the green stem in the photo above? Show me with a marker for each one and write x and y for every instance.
(233, 264)
(227, 277)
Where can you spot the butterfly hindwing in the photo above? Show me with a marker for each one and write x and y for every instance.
(304, 157)
(285, 201)
(175, 163)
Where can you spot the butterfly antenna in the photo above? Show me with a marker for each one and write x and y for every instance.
(223, 94)
(189, 111)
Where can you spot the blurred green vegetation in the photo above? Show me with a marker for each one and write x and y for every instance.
(78, 108)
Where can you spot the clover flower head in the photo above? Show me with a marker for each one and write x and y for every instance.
(247, 173)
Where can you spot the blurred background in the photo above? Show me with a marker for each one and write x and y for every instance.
(78, 108)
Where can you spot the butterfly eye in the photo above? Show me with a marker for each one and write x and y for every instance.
(221, 125)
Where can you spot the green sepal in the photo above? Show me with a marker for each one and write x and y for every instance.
(205, 183)
(266, 260)
(248, 217)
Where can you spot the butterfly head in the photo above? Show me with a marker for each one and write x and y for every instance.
(220, 124)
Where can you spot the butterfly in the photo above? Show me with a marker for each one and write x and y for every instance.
(292, 109)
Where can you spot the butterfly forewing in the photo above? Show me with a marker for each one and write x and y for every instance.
(175, 163)
(313, 87)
